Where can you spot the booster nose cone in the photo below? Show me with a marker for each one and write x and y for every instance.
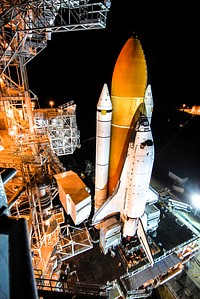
(104, 102)
(148, 101)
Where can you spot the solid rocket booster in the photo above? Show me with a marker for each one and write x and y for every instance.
(103, 131)
(148, 101)
(127, 94)
(132, 191)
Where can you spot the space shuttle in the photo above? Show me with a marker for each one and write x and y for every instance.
(132, 191)
(133, 167)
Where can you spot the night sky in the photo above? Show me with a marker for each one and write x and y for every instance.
(75, 65)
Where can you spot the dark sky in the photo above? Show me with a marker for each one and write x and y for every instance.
(75, 65)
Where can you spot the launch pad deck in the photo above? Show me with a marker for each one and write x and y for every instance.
(94, 268)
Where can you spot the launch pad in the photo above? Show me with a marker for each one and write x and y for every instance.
(125, 269)
(69, 254)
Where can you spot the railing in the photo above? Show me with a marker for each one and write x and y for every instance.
(67, 287)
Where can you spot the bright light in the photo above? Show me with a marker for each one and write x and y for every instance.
(10, 113)
(51, 103)
(196, 200)
(12, 132)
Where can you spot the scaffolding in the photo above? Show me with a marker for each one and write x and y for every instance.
(25, 28)
(31, 138)
(34, 138)
(60, 126)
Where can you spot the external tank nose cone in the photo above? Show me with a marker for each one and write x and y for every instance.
(130, 73)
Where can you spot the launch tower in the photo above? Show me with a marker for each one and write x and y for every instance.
(25, 28)
(31, 138)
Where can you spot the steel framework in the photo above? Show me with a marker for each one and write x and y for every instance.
(31, 139)
(25, 28)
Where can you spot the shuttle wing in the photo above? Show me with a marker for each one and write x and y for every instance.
(112, 205)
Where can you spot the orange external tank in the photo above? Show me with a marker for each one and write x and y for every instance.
(128, 87)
